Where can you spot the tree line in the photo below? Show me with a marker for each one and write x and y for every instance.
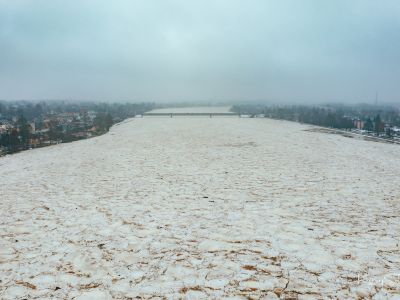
(334, 116)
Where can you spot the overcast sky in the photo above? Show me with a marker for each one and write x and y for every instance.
(176, 50)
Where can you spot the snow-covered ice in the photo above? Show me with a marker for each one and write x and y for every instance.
(199, 109)
(202, 208)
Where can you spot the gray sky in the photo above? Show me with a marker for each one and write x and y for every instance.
(176, 50)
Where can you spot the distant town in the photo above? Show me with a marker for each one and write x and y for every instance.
(27, 125)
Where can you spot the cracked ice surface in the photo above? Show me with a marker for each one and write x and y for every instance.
(201, 208)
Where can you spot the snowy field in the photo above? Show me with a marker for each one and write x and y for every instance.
(201, 208)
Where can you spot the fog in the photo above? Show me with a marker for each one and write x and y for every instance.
(200, 50)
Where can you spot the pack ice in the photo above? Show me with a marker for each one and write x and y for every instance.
(202, 208)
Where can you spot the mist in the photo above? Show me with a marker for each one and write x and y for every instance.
(170, 50)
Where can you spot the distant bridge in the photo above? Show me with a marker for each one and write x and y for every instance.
(150, 114)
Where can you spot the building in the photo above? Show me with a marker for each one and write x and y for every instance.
(359, 124)
(33, 127)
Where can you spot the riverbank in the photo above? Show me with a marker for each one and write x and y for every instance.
(356, 135)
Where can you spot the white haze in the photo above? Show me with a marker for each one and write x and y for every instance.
(171, 50)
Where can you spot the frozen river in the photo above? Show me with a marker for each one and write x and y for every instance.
(202, 208)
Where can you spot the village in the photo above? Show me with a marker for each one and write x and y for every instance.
(377, 128)
(25, 126)
(19, 134)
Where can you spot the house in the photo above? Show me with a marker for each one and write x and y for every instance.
(3, 129)
(359, 124)
(396, 130)
(5, 126)
(33, 127)
(3, 151)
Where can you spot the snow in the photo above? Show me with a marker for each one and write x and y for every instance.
(198, 109)
(200, 208)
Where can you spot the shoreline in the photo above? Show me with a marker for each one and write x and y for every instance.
(344, 133)
(54, 143)
(351, 134)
